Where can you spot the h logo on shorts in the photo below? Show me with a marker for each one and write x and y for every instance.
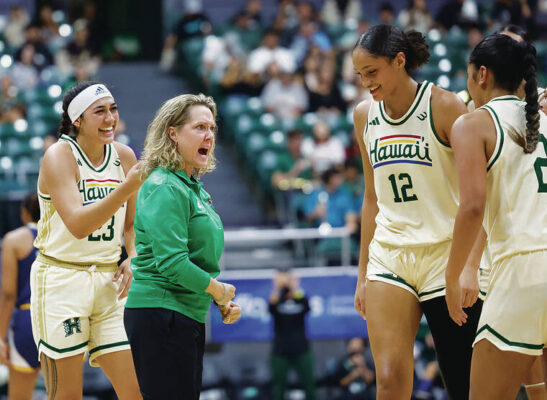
(71, 325)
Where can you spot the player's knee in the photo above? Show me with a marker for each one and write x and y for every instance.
(393, 377)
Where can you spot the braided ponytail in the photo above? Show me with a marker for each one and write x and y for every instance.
(532, 105)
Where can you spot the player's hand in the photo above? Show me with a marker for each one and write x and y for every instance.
(133, 178)
(230, 313)
(4, 353)
(454, 302)
(469, 282)
(359, 301)
(124, 273)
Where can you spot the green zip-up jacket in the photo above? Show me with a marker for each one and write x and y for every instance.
(179, 240)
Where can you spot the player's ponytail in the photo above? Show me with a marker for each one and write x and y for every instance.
(512, 62)
(388, 41)
(532, 105)
(66, 127)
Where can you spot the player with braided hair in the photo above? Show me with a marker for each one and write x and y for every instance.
(500, 150)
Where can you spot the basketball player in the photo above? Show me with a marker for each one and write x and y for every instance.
(533, 381)
(18, 350)
(409, 208)
(500, 150)
(87, 189)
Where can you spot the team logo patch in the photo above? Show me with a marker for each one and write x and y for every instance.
(72, 326)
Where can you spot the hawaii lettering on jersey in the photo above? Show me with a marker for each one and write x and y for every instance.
(392, 149)
(96, 189)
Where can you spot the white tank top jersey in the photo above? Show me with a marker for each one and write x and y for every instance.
(415, 175)
(102, 246)
(516, 209)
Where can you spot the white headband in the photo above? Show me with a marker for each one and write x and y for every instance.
(85, 98)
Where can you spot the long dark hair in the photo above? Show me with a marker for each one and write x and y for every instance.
(511, 62)
(388, 40)
(31, 204)
(66, 127)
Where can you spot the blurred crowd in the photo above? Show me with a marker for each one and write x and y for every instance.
(287, 89)
(40, 56)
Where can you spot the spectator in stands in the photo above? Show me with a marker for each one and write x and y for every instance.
(24, 74)
(252, 11)
(49, 29)
(287, 16)
(11, 109)
(77, 52)
(42, 56)
(309, 34)
(17, 349)
(284, 95)
(428, 374)
(516, 12)
(270, 52)
(15, 28)
(354, 182)
(323, 151)
(292, 164)
(194, 23)
(339, 12)
(325, 97)
(415, 16)
(331, 203)
(355, 372)
(179, 239)
(291, 349)
(386, 14)
(457, 13)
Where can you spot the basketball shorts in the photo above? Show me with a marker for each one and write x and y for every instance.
(75, 311)
(514, 315)
(420, 270)
(23, 354)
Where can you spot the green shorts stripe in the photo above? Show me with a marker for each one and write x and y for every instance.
(108, 346)
(507, 341)
(396, 278)
(78, 346)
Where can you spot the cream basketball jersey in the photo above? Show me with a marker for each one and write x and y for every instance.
(414, 175)
(102, 246)
(516, 210)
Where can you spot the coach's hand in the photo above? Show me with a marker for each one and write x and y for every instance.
(124, 271)
(469, 282)
(230, 313)
(359, 301)
(454, 302)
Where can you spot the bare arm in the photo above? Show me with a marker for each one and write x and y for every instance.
(128, 160)
(59, 178)
(370, 206)
(9, 281)
(467, 139)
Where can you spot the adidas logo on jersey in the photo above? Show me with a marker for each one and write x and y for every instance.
(78, 162)
(375, 121)
(422, 116)
(117, 162)
(99, 90)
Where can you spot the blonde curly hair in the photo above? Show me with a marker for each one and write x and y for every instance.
(159, 149)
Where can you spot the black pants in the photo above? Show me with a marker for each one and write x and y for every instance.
(167, 352)
(453, 344)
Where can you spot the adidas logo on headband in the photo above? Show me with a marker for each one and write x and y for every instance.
(85, 98)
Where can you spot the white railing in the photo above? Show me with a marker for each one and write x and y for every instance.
(252, 235)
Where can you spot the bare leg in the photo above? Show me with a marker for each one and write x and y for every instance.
(119, 368)
(63, 377)
(496, 374)
(534, 382)
(393, 318)
(21, 384)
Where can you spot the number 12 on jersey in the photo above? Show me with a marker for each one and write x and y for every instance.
(405, 182)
